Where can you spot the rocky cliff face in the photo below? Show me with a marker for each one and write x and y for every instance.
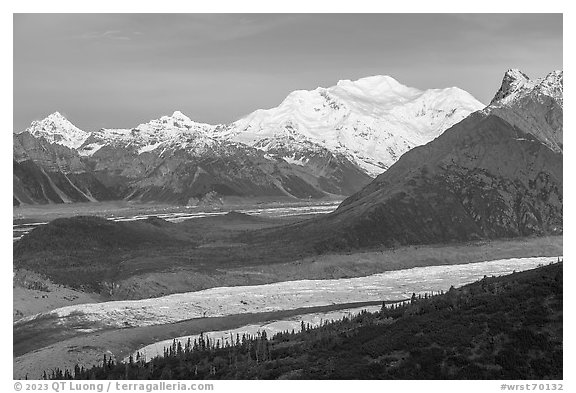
(535, 106)
(45, 172)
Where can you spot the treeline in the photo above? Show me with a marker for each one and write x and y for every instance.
(203, 357)
(497, 328)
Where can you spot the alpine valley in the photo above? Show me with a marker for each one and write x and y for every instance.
(328, 142)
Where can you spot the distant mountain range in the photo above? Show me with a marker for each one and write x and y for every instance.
(496, 174)
(371, 121)
(325, 142)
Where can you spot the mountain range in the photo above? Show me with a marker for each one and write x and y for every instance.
(496, 174)
(325, 142)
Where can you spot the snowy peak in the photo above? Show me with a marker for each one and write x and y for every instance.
(515, 75)
(553, 86)
(177, 121)
(181, 116)
(533, 105)
(379, 86)
(554, 78)
(57, 129)
(371, 121)
(372, 82)
(517, 84)
(57, 116)
(175, 130)
(514, 80)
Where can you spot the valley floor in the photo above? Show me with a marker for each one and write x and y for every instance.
(28, 301)
(332, 266)
(34, 213)
(81, 334)
(213, 255)
(497, 328)
(33, 354)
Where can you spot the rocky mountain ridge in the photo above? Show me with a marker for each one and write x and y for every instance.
(317, 143)
(498, 173)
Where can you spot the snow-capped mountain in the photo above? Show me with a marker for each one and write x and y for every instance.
(177, 129)
(57, 129)
(535, 106)
(517, 84)
(170, 159)
(498, 173)
(371, 121)
(328, 141)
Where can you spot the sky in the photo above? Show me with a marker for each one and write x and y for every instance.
(121, 70)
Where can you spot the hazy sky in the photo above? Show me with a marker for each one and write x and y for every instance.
(120, 70)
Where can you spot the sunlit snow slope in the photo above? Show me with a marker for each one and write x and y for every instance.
(321, 143)
(372, 121)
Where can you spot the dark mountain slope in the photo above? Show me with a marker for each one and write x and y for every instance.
(46, 172)
(535, 106)
(182, 171)
(189, 165)
(482, 178)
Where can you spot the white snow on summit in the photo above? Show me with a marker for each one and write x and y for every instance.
(177, 129)
(57, 129)
(517, 84)
(533, 105)
(372, 121)
(553, 85)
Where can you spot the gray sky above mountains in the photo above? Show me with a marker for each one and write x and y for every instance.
(120, 70)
